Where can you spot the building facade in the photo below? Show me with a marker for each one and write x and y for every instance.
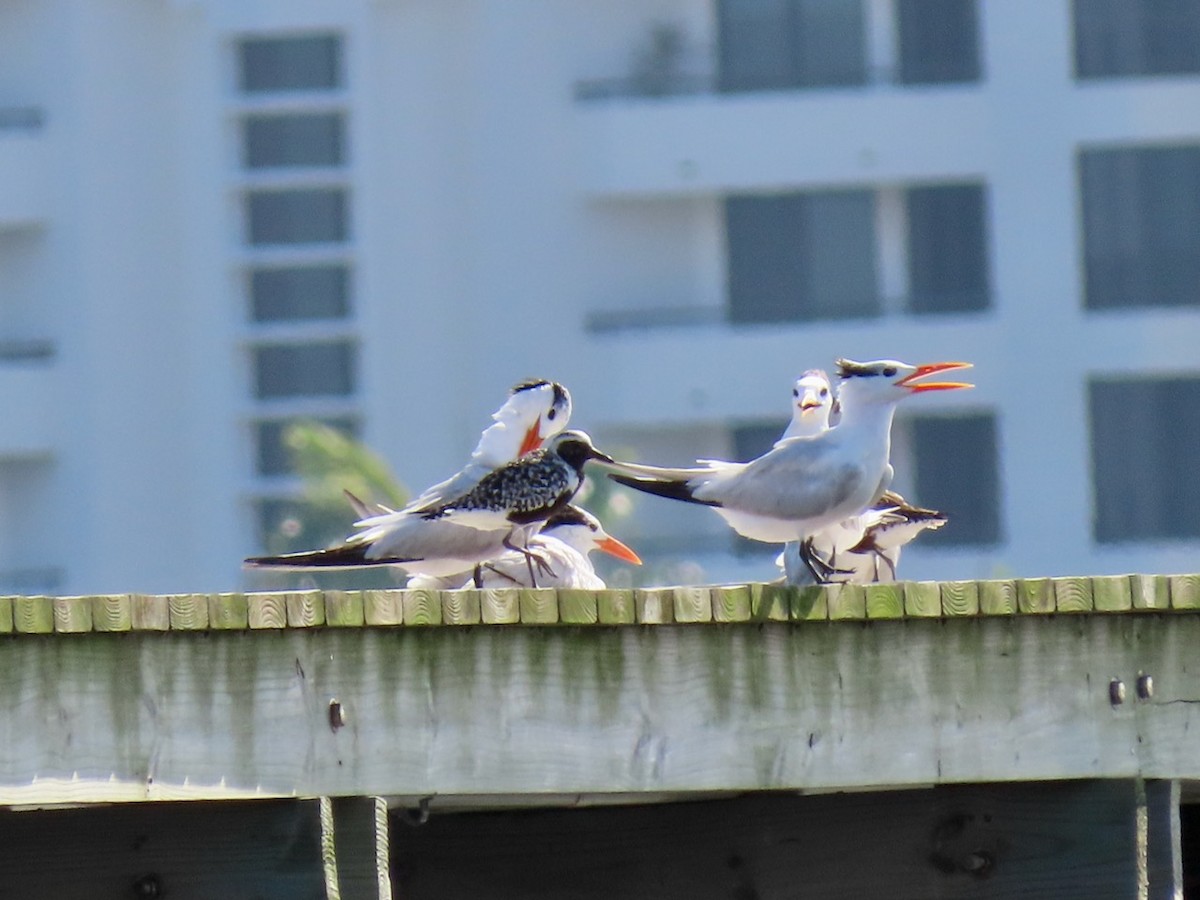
(217, 218)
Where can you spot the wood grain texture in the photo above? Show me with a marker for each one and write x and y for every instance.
(960, 598)
(150, 612)
(538, 606)
(692, 604)
(1112, 593)
(112, 612)
(32, 615)
(846, 601)
(266, 610)
(72, 615)
(500, 606)
(255, 850)
(358, 834)
(188, 612)
(344, 609)
(1185, 591)
(922, 599)
(1073, 595)
(305, 609)
(490, 711)
(654, 606)
(6, 615)
(770, 602)
(577, 607)
(422, 607)
(997, 598)
(1035, 595)
(1072, 841)
(461, 607)
(1150, 591)
(614, 606)
(228, 611)
(809, 604)
(884, 601)
(731, 603)
(383, 607)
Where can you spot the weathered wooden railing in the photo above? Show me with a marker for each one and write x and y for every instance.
(418, 699)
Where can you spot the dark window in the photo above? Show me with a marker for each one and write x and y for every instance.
(1136, 37)
(297, 216)
(303, 139)
(290, 64)
(947, 249)
(1141, 226)
(956, 472)
(1145, 478)
(300, 292)
(798, 257)
(752, 441)
(304, 370)
(780, 44)
(274, 458)
(938, 41)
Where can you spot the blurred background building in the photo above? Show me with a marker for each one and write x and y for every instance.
(220, 216)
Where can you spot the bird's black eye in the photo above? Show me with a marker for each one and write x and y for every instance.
(795, 393)
(824, 392)
(889, 371)
(550, 415)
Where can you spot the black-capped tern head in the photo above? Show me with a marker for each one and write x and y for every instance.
(537, 409)
(889, 381)
(582, 531)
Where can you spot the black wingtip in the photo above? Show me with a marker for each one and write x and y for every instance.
(672, 490)
(342, 557)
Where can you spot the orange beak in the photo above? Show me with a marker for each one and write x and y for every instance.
(613, 547)
(933, 369)
(532, 440)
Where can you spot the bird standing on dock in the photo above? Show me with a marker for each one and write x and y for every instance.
(805, 484)
(865, 548)
(565, 542)
(535, 410)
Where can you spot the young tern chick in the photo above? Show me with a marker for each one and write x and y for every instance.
(534, 411)
(565, 543)
(805, 484)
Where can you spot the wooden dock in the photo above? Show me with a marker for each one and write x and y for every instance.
(1019, 738)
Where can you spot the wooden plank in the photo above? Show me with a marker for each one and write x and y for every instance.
(150, 612)
(654, 606)
(846, 601)
(1035, 595)
(997, 598)
(360, 849)
(922, 599)
(1150, 592)
(383, 607)
(228, 611)
(884, 601)
(500, 606)
(538, 606)
(344, 609)
(72, 614)
(422, 607)
(461, 607)
(6, 615)
(112, 612)
(960, 598)
(577, 607)
(1185, 591)
(614, 606)
(1071, 841)
(1112, 593)
(179, 851)
(692, 603)
(1072, 595)
(266, 610)
(809, 604)
(305, 609)
(488, 711)
(770, 602)
(188, 612)
(731, 603)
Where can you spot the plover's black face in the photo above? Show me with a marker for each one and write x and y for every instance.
(575, 448)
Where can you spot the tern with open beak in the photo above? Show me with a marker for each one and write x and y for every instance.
(805, 484)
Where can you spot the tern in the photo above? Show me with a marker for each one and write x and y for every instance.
(502, 511)
(805, 484)
(565, 542)
(535, 410)
(865, 548)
